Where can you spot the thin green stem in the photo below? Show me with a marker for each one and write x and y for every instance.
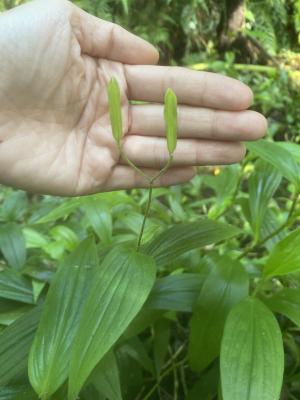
(132, 165)
(164, 170)
(151, 182)
(145, 216)
(293, 207)
(183, 381)
(166, 373)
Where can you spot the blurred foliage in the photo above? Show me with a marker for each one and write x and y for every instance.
(257, 42)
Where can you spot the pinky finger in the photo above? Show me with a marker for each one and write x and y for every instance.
(125, 177)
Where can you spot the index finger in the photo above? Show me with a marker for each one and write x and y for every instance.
(203, 89)
(103, 39)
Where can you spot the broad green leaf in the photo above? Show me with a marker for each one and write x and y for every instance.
(145, 318)
(252, 357)
(225, 185)
(279, 157)
(65, 236)
(137, 350)
(10, 311)
(14, 206)
(34, 239)
(292, 148)
(14, 286)
(99, 216)
(62, 211)
(206, 388)
(175, 292)
(50, 353)
(115, 111)
(17, 393)
(105, 377)
(287, 303)
(173, 242)
(131, 374)
(15, 342)
(121, 286)
(12, 245)
(226, 284)
(37, 288)
(285, 256)
(262, 185)
(170, 114)
(55, 250)
(271, 224)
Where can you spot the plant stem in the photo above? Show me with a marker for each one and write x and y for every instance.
(165, 168)
(151, 183)
(166, 373)
(286, 224)
(132, 165)
(145, 216)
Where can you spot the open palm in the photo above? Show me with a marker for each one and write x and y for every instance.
(55, 135)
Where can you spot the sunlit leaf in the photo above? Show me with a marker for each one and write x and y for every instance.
(64, 235)
(34, 239)
(293, 148)
(99, 217)
(50, 352)
(279, 157)
(262, 185)
(121, 285)
(285, 256)
(62, 211)
(252, 358)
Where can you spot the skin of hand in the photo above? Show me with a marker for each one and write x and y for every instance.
(55, 136)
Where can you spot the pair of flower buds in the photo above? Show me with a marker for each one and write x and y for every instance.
(170, 115)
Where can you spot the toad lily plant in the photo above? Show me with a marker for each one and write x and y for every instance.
(170, 116)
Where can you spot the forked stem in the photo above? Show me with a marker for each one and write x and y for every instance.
(151, 182)
(132, 165)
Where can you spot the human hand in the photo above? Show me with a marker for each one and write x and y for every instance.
(55, 135)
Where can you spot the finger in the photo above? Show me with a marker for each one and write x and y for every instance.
(199, 123)
(189, 152)
(125, 177)
(206, 89)
(103, 39)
